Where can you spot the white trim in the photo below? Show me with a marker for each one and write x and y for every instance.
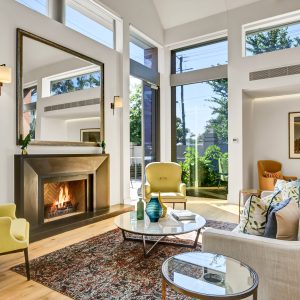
(279, 20)
(30, 84)
(107, 10)
(143, 36)
(198, 40)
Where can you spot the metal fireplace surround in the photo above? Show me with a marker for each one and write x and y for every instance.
(31, 171)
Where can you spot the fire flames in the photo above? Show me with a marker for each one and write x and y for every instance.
(64, 196)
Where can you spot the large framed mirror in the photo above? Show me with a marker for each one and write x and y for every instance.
(60, 94)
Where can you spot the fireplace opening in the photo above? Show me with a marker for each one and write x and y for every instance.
(64, 199)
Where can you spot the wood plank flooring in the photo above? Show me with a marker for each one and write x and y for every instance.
(16, 287)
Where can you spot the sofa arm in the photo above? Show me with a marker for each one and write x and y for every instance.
(8, 210)
(147, 191)
(275, 261)
(182, 188)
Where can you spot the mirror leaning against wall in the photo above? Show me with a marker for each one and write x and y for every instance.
(60, 94)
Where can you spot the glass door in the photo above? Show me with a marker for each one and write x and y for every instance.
(143, 131)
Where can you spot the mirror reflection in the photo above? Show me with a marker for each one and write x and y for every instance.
(61, 95)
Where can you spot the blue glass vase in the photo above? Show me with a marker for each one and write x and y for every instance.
(154, 209)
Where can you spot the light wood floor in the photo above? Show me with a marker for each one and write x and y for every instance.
(16, 287)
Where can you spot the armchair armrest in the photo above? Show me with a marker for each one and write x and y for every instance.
(270, 258)
(8, 210)
(147, 191)
(289, 178)
(182, 188)
(7, 241)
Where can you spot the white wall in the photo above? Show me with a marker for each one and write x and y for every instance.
(238, 76)
(270, 132)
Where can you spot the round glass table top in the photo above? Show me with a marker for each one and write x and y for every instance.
(165, 226)
(208, 274)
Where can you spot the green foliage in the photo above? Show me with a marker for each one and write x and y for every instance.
(271, 40)
(206, 166)
(179, 131)
(136, 115)
(77, 83)
(25, 142)
(219, 121)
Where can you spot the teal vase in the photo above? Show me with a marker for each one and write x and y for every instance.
(140, 210)
(154, 209)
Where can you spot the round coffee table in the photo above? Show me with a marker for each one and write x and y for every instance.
(167, 226)
(204, 275)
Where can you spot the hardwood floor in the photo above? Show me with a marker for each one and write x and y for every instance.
(15, 287)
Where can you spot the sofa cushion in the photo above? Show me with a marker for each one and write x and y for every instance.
(18, 229)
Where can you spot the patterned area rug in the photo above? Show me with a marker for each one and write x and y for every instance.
(106, 267)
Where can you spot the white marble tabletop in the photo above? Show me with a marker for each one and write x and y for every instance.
(165, 226)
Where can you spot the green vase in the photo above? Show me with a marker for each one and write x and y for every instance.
(140, 209)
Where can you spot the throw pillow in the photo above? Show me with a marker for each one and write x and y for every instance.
(254, 216)
(271, 226)
(288, 222)
(291, 190)
(277, 175)
(279, 185)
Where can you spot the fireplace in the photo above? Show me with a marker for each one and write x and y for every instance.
(64, 198)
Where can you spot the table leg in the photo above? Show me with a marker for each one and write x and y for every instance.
(255, 294)
(196, 239)
(163, 289)
(240, 194)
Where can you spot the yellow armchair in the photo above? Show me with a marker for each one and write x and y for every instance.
(14, 233)
(165, 177)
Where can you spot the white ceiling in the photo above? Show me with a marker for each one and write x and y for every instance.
(176, 12)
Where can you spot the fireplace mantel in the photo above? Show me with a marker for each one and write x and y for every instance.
(32, 170)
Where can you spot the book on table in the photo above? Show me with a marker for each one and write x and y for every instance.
(182, 215)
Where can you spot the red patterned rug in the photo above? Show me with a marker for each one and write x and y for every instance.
(106, 267)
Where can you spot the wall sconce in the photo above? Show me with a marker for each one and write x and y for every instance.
(5, 75)
(118, 103)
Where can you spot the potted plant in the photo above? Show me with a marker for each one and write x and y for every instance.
(25, 142)
(103, 145)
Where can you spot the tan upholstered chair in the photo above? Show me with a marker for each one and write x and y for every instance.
(272, 166)
(14, 233)
(165, 177)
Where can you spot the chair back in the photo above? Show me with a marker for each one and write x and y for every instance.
(269, 166)
(163, 176)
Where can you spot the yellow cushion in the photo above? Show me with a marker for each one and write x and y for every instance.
(171, 197)
(18, 229)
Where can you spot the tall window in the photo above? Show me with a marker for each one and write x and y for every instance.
(88, 19)
(40, 6)
(272, 39)
(200, 121)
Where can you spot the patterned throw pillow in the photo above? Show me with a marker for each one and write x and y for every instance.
(277, 175)
(292, 190)
(280, 184)
(254, 216)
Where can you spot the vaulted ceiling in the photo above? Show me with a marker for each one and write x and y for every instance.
(176, 12)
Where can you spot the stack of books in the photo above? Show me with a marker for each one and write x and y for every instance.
(183, 215)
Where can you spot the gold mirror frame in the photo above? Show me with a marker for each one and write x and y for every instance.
(19, 93)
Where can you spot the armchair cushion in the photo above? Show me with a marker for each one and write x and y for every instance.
(18, 229)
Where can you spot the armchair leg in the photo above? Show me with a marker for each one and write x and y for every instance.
(184, 205)
(27, 263)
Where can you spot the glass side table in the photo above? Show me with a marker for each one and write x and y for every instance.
(204, 275)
